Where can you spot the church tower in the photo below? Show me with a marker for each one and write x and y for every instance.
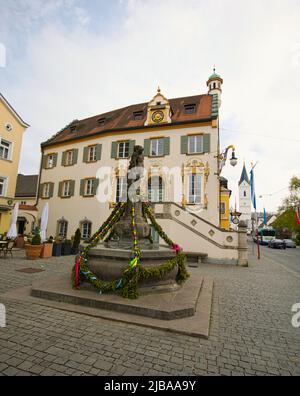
(245, 198)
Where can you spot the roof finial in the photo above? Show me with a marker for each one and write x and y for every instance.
(158, 89)
(214, 69)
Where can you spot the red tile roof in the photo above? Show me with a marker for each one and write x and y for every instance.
(123, 119)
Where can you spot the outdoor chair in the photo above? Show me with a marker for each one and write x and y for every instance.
(9, 248)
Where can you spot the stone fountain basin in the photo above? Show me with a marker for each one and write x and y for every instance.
(109, 264)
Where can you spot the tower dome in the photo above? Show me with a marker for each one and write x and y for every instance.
(214, 84)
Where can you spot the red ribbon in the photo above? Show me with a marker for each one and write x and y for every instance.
(77, 266)
(297, 218)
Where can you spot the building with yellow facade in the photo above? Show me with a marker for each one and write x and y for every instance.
(12, 128)
(225, 194)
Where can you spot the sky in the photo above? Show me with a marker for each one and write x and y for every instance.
(62, 60)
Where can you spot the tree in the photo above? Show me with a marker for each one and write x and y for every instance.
(292, 202)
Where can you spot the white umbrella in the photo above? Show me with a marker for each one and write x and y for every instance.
(44, 222)
(12, 232)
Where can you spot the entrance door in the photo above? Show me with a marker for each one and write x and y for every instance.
(21, 227)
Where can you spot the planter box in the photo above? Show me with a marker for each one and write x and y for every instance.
(74, 251)
(66, 249)
(47, 250)
(56, 249)
(33, 252)
(20, 243)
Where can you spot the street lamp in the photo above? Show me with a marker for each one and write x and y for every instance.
(223, 157)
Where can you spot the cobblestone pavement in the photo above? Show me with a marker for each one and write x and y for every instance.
(251, 331)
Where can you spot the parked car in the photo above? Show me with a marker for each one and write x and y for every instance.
(289, 243)
(277, 244)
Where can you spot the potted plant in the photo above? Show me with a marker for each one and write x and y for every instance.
(66, 247)
(76, 242)
(33, 250)
(47, 248)
(56, 249)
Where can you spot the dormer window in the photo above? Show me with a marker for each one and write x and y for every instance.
(158, 103)
(190, 108)
(138, 115)
(101, 121)
(73, 128)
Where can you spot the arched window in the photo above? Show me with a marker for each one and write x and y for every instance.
(156, 189)
(214, 85)
(86, 229)
(245, 194)
(62, 228)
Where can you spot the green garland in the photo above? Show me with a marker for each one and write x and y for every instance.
(135, 272)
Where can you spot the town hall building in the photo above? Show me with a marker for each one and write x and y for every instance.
(181, 145)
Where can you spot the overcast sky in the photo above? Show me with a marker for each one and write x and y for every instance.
(69, 59)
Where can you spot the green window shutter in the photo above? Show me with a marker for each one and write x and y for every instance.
(82, 186)
(51, 190)
(131, 147)
(72, 188)
(147, 145)
(184, 144)
(75, 156)
(41, 190)
(98, 152)
(60, 187)
(114, 149)
(44, 161)
(95, 186)
(63, 158)
(85, 154)
(167, 146)
(206, 143)
(55, 160)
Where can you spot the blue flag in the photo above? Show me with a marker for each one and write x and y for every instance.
(265, 217)
(253, 196)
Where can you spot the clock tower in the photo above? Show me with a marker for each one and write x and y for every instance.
(159, 110)
(245, 198)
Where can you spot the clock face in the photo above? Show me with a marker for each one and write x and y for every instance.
(157, 116)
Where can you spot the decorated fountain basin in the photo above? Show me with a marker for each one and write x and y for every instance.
(109, 264)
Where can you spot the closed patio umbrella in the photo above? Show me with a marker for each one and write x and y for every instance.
(12, 232)
(44, 222)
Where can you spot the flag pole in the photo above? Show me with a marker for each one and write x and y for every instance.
(253, 198)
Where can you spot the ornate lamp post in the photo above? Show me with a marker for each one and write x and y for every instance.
(223, 158)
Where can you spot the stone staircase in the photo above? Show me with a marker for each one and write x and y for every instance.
(202, 240)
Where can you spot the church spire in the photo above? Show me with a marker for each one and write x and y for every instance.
(244, 176)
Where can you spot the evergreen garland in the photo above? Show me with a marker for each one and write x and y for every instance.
(135, 272)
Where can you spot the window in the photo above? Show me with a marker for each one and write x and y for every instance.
(190, 108)
(123, 150)
(88, 187)
(62, 228)
(195, 144)
(138, 115)
(222, 208)
(157, 147)
(50, 161)
(69, 157)
(86, 229)
(121, 189)
(2, 186)
(155, 189)
(23, 202)
(5, 149)
(245, 194)
(46, 190)
(194, 189)
(101, 121)
(73, 128)
(92, 154)
(66, 191)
